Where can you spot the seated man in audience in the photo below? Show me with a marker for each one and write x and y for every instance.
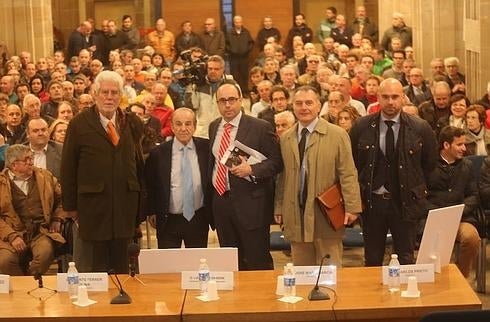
(451, 183)
(46, 153)
(31, 214)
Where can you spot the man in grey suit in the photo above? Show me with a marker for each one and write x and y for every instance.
(46, 153)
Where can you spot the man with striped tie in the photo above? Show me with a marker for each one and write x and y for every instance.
(242, 198)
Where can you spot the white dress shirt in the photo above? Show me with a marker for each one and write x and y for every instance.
(176, 204)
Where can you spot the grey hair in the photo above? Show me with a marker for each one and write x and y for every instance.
(108, 76)
(14, 152)
(288, 115)
(30, 97)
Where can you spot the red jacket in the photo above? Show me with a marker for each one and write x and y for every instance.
(164, 115)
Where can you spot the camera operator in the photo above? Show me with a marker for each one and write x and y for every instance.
(201, 96)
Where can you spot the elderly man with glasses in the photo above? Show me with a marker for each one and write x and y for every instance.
(31, 214)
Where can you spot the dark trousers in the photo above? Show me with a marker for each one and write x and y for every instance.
(385, 216)
(100, 255)
(253, 244)
(174, 228)
(239, 70)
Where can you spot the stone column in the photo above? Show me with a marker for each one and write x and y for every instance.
(27, 25)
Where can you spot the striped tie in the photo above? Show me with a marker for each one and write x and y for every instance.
(220, 183)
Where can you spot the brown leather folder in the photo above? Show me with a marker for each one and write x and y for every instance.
(332, 206)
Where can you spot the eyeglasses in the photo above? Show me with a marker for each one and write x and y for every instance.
(313, 61)
(108, 92)
(231, 100)
(279, 99)
(27, 159)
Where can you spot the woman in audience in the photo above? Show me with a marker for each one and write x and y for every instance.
(57, 130)
(158, 61)
(477, 136)
(37, 88)
(458, 103)
(347, 117)
(65, 111)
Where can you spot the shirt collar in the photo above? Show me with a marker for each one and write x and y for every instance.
(396, 119)
(179, 146)
(44, 149)
(235, 122)
(310, 127)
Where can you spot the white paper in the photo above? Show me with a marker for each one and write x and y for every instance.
(224, 280)
(290, 299)
(4, 284)
(307, 275)
(206, 299)
(423, 272)
(95, 282)
(89, 302)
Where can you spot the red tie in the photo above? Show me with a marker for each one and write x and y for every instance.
(111, 132)
(221, 172)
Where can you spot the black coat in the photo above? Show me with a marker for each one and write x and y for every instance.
(484, 184)
(417, 157)
(453, 184)
(158, 170)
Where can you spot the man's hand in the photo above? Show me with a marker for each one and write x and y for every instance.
(278, 218)
(73, 214)
(152, 220)
(242, 170)
(55, 227)
(350, 218)
(19, 245)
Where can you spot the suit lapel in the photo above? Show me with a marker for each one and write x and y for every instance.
(93, 119)
(201, 159)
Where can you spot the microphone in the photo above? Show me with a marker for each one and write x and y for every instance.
(133, 253)
(122, 297)
(316, 294)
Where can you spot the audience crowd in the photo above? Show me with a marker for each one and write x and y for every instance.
(350, 76)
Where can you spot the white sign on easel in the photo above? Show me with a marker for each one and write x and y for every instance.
(439, 236)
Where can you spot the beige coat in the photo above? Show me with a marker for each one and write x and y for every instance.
(329, 160)
(11, 225)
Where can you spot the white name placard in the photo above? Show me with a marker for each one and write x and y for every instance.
(4, 284)
(224, 280)
(423, 272)
(95, 282)
(307, 275)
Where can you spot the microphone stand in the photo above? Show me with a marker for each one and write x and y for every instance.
(41, 289)
(316, 294)
(133, 275)
(122, 297)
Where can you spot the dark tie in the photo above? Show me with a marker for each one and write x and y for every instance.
(390, 142)
(390, 153)
(302, 144)
(303, 174)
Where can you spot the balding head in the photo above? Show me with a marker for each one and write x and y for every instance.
(390, 97)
